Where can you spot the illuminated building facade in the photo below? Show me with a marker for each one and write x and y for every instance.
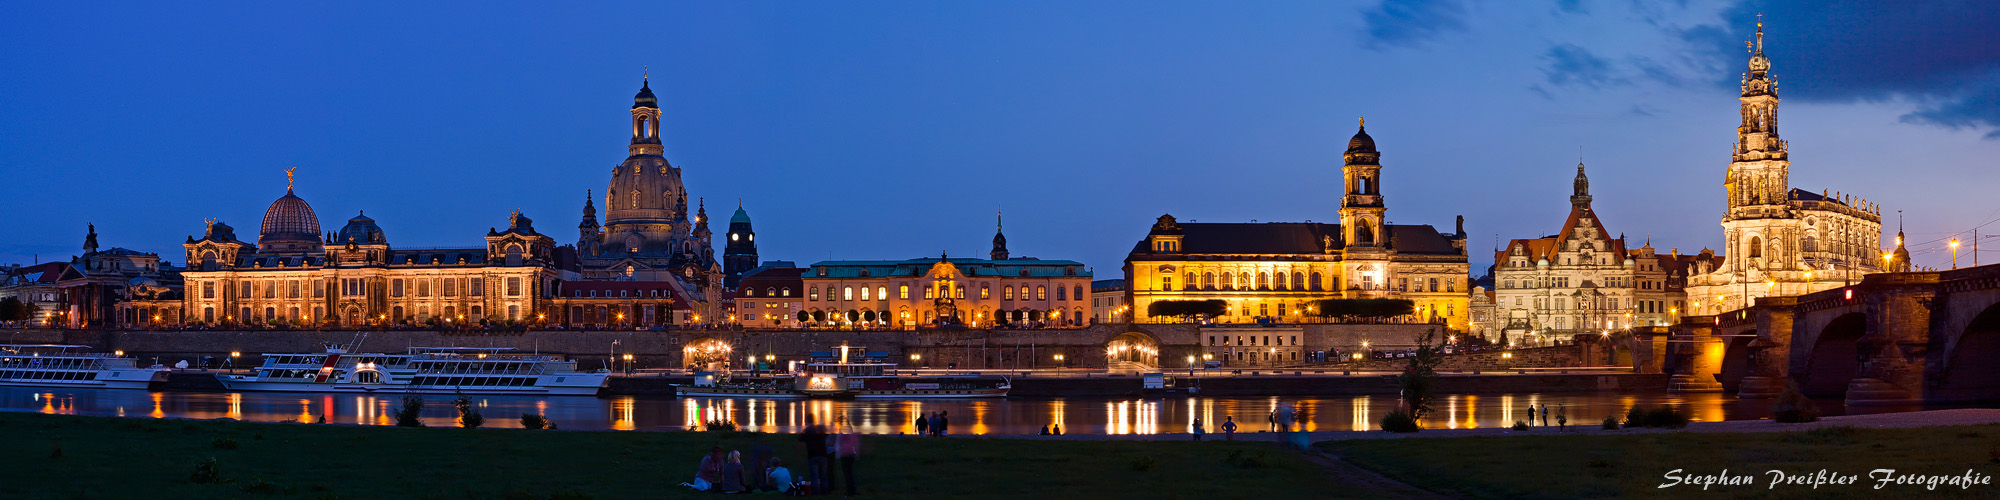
(295, 275)
(1580, 280)
(1276, 270)
(1782, 241)
(649, 234)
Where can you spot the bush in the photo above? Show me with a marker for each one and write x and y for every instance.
(719, 425)
(1662, 417)
(207, 472)
(1520, 426)
(1399, 420)
(1611, 422)
(533, 421)
(413, 407)
(1145, 463)
(1792, 406)
(223, 443)
(468, 413)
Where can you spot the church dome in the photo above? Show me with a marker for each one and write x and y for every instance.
(645, 97)
(740, 216)
(361, 230)
(290, 218)
(1361, 143)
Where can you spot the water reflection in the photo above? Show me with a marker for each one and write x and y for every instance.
(973, 416)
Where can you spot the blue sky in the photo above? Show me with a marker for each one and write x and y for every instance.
(872, 130)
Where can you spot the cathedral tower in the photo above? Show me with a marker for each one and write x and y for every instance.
(999, 240)
(739, 255)
(645, 194)
(1580, 196)
(1361, 209)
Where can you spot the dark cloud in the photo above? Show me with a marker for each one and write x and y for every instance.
(1405, 23)
(1571, 64)
(1942, 54)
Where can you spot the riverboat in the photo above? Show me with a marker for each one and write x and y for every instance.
(849, 380)
(74, 366)
(469, 370)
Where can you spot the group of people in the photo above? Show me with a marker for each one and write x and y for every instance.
(938, 423)
(1562, 416)
(1056, 432)
(722, 472)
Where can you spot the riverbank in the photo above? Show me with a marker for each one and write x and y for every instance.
(100, 457)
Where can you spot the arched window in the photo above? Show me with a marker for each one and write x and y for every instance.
(1281, 281)
(1316, 281)
(1263, 281)
(1243, 280)
(1007, 292)
(1298, 280)
(1208, 281)
(1041, 293)
(1756, 247)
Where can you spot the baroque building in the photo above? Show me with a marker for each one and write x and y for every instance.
(1276, 270)
(649, 234)
(739, 255)
(1782, 241)
(1580, 280)
(297, 275)
(947, 292)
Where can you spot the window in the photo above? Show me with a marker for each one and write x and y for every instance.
(1167, 282)
(864, 293)
(1007, 292)
(1189, 279)
(1315, 281)
(786, 293)
(959, 293)
(985, 291)
(1078, 292)
(903, 292)
(513, 290)
(270, 290)
(1207, 281)
(396, 287)
(847, 293)
(927, 291)
(474, 288)
(451, 287)
(1451, 285)
(1041, 293)
(208, 290)
(812, 294)
(423, 287)
(1434, 284)
(1061, 294)
(881, 293)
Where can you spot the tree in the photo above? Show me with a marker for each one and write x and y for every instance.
(11, 309)
(1369, 308)
(1419, 378)
(1187, 308)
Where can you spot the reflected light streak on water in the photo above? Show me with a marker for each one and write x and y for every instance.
(968, 416)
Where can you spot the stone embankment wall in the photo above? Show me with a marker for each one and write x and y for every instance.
(1533, 357)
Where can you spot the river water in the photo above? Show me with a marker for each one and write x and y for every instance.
(1132, 415)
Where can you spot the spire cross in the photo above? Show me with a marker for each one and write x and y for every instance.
(646, 72)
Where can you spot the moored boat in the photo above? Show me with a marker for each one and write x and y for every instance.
(55, 365)
(469, 370)
(849, 380)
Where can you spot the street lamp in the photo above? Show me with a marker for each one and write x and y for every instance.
(1954, 253)
(232, 357)
(628, 363)
(1059, 364)
(1190, 365)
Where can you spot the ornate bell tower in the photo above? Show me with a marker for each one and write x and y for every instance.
(1361, 208)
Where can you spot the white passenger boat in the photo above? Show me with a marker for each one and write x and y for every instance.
(52, 365)
(469, 370)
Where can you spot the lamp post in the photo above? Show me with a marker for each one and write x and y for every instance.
(1190, 366)
(232, 358)
(1059, 365)
(1954, 253)
(628, 363)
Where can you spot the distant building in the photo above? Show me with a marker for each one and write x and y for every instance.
(1783, 241)
(1107, 302)
(1276, 270)
(296, 275)
(739, 254)
(771, 296)
(1580, 280)
(947, 292)
(39, 287)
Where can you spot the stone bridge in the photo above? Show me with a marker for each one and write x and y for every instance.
(1893, 338)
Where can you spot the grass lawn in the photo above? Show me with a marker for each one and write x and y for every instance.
(1553, 466)
(60, 456)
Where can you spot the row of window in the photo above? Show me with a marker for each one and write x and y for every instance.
(655, 293)
(355, 287)
(847, 293)
(1252, 340)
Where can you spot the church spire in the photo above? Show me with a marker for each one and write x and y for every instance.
(999, 239)
(1580, 196)
(90, 240)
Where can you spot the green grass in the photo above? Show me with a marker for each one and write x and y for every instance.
(1602, 466)
(103, 457)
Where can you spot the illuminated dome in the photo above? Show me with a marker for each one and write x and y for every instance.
(361, 230)
(1361, 143)
(289, 220)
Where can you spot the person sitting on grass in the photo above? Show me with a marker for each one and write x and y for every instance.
(710, 471)
(1045, 430)
(778, 479)
(1058, 430)
(732, 474)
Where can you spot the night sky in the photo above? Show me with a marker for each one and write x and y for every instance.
(885, 130)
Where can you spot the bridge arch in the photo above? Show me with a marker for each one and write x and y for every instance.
(1969, 372)
(1133, 348)
(1835, 358)
(1736, 362)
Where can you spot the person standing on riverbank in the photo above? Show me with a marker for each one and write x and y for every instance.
(1545, 414)
(923, 425)
(1197, 429)
(847, 447)
(817, 466)
(1562, 418)
(1229, 428)
(943, 423)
